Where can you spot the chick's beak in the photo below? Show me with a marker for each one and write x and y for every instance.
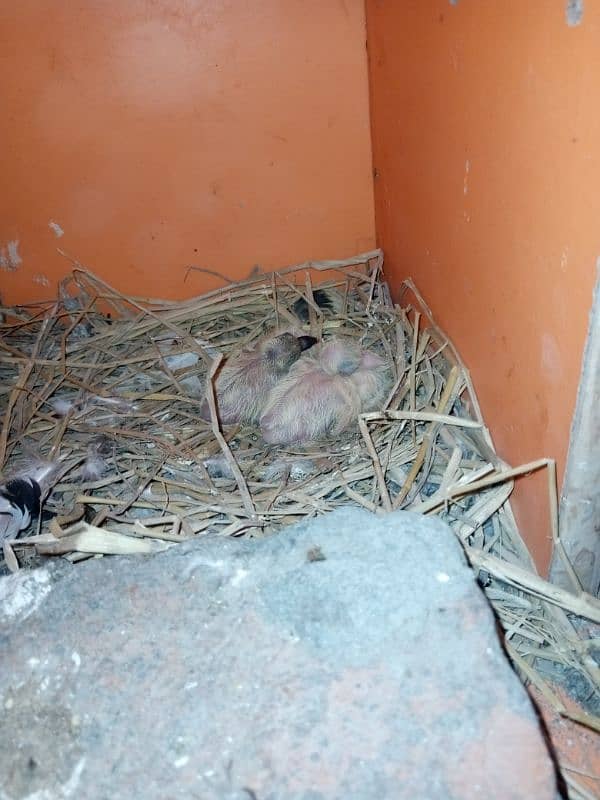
(306, 342)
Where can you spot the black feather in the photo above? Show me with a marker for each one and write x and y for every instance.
(24, 493)
(321, 298)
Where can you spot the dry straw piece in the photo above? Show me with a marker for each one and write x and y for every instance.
(97, 362)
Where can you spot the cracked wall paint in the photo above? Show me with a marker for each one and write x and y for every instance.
(9, 256)
(574, 12)
(56, 229)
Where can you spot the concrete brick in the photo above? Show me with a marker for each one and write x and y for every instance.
(352, 656)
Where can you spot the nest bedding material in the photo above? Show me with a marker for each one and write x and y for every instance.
(126, 376)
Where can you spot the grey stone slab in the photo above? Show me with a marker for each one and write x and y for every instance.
(351, 656)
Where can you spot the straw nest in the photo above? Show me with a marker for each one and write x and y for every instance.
(130, 370)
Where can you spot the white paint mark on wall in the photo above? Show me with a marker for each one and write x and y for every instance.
(466, 178)
(9, 256)
(41, 279)
(564, 259)
(574, 12)
(55, 227)
(551, 359)
(14, 259)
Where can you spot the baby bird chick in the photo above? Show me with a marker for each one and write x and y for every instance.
(324, 393)
(243, 383)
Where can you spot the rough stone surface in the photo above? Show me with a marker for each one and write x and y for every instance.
(349, 657)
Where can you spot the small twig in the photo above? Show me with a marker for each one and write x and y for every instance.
(192, 268)
(583, 604)
(240, 480)
(383, 490)
(446, 403)
(420, 416)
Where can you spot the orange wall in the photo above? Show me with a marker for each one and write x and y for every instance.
(163, 133)
(486, 132)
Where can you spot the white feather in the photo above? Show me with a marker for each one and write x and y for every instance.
(62, 406)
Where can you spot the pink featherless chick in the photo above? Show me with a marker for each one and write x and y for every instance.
(244, 381)
(324, 393)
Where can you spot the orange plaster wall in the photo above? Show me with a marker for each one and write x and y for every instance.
(163, 133)
(486, 139)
